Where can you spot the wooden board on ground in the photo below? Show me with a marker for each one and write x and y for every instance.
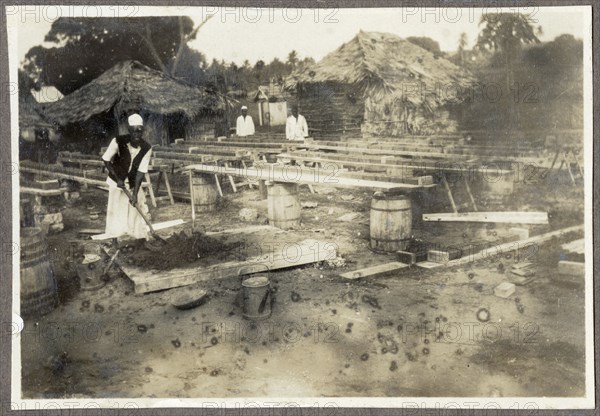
(571, 268)
(428, 264)
(577, 246)
(291, 255)
(157, 226)
(513, 217)
(373, 271)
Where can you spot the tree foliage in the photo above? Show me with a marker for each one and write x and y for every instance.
(86, 47)
(426, 43)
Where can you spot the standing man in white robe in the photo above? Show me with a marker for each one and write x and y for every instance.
(245, 124)
(295, 126)
(126, 159)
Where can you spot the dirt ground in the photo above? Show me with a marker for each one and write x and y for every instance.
(417, 332)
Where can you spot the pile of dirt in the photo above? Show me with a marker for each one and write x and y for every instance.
(181, 250)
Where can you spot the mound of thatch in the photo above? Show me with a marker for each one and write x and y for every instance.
(380, 64)
(130, 84)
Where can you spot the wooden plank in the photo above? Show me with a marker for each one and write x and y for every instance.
(512, 246)
(428, 264)
(63, 176)
(157, 226)
(250, 229)
(571, 268)
(305, 252)
(300, 175)
(577, 246)
(513, 217)
(42, 192)
(168, 224)
(421, 164)
(373, 271)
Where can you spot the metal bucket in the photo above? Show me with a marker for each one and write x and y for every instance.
(91, 272)
(258, 297)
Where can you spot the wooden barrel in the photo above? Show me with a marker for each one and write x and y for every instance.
(391, 222)
(38, 286)
(283, 205)
(205, 194)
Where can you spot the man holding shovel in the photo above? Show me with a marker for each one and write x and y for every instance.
(127, 159)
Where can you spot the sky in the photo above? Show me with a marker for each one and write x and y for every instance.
(237, 34)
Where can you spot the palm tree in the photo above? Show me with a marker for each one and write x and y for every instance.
(462, 44)
(292, 59)
(505, 34)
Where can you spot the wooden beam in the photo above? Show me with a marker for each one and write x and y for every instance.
(486, 253)
(449, 192)
(60, 175)
(512, 217)
(373, 271)
(42, 192)
(300, 175)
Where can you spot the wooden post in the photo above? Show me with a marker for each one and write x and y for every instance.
(262, 189)
(190, 175)
(150, 190)
(450, 197)
(470, 194)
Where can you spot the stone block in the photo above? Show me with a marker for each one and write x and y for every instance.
(504, 289)
(248, 214)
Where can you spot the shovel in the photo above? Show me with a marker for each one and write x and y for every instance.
(152, 232)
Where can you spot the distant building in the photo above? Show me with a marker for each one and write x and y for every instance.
(171, 108)
(379, 84)
(271, 102)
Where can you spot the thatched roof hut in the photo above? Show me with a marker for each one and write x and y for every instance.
(379, 83)
(31, 114)
(31, 117)
(131, 86)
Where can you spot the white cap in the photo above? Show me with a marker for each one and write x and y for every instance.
(244, 107)
(135, 120)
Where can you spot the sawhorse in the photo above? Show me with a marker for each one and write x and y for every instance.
(564, 153)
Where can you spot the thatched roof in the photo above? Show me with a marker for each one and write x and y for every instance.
(30, 113)
(382, 64)
(132, 85)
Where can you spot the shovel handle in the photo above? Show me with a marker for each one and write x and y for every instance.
(152, 232)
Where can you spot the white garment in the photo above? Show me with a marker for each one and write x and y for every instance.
(244, 126)
(113, 149)
(122, 217)
(296, 129)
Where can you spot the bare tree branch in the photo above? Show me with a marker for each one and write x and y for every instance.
(148, 40)
(183, 40)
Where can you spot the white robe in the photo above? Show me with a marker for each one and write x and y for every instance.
(121, 217)
(244, 126)
(296, 129)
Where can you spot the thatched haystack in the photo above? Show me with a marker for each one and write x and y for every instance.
(380, 84)
(169, 106)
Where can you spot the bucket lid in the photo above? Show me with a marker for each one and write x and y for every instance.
(256, 281)
(90, 258)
